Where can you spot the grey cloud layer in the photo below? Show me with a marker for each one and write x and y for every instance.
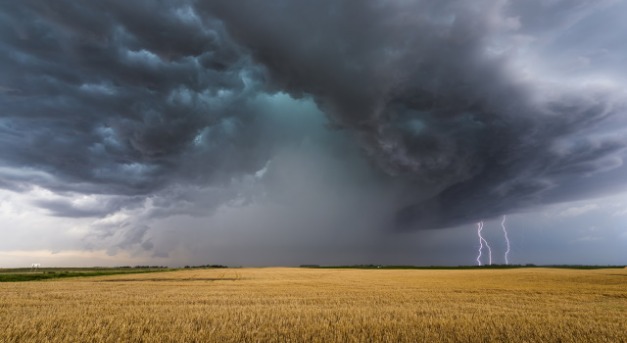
(138, 98)
(109, 99)
(433, 92)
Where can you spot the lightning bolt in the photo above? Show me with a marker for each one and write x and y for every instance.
(479, 228)
(481, 241)
(506, 239)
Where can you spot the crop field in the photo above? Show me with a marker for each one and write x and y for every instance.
(321, 305)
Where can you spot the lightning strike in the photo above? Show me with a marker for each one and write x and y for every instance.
(506, 239)
(479, 228)
(481, 242)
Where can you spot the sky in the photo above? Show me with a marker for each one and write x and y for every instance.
(262, 133)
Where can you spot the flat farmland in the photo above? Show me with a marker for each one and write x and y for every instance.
(321, 305)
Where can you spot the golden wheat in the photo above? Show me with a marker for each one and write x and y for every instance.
(321, 305)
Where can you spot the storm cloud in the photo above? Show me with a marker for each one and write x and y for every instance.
(429, 114)
(436, 93)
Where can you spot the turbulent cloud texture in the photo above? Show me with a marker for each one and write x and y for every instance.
(440, 93)
(430, 114)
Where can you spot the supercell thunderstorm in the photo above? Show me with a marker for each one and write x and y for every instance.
(443, 113)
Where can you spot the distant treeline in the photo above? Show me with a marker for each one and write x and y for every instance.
(206, 266)
(493, 266)
(25, 274)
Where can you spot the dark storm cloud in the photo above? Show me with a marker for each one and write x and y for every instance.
(138, 98)
(107, 97)
(431, 91)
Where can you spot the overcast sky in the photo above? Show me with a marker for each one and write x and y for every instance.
(312, 132)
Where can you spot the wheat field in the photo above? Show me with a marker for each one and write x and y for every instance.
(321, 305)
